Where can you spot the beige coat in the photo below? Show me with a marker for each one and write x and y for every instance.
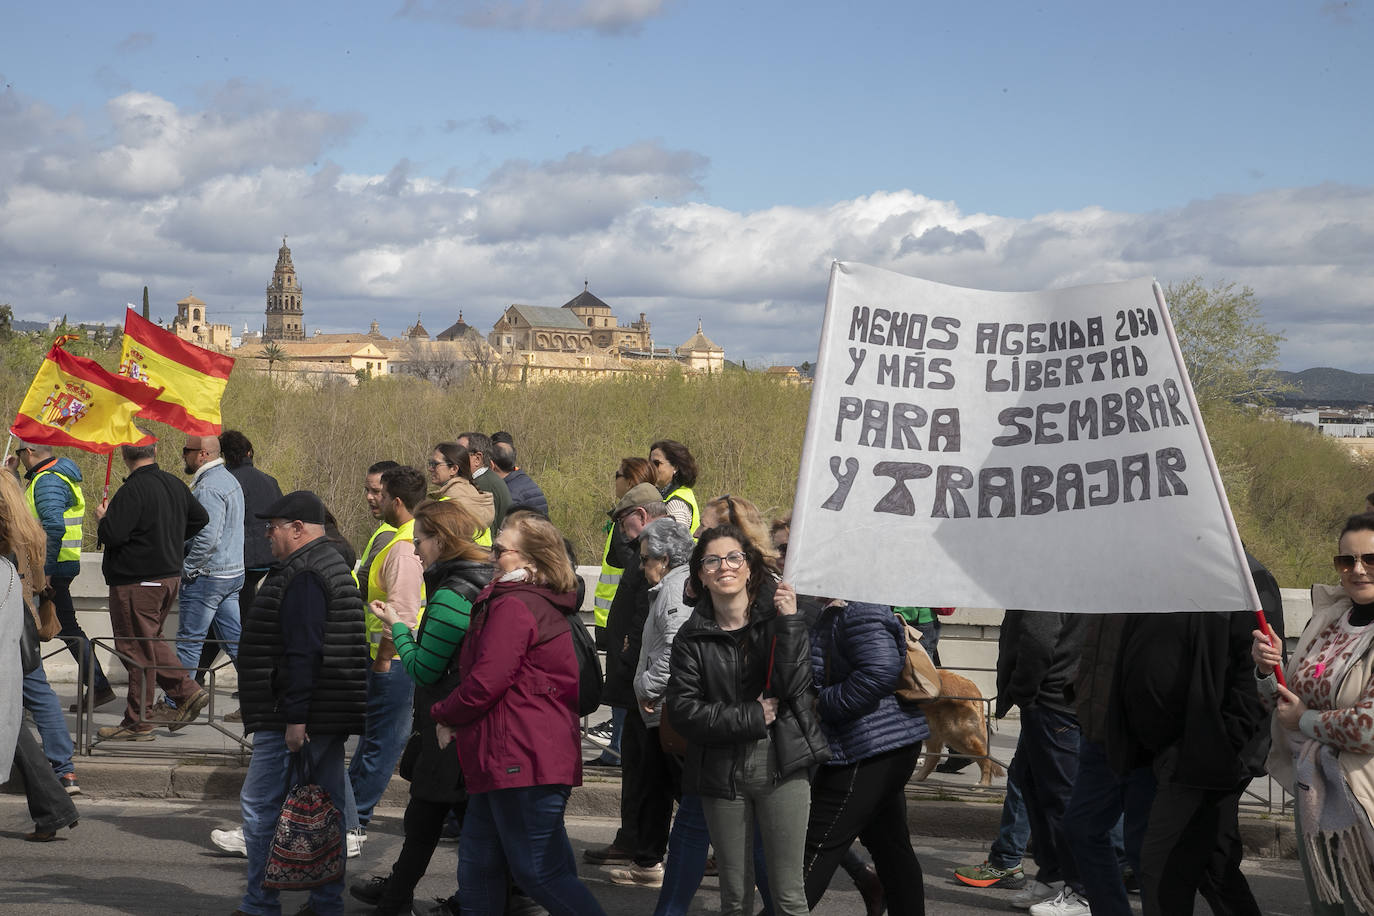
(1329, 602)
(461, 491)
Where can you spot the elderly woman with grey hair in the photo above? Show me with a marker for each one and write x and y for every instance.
(665, 546)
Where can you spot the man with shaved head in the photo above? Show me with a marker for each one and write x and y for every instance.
(212, 573)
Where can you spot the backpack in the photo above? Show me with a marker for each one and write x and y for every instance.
(589, 676)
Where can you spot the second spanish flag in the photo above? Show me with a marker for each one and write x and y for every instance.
(192, 378)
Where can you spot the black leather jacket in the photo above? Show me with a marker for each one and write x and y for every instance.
(714, 685)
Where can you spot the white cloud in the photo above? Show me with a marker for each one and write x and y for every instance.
(80, 236)
(160, 149)
(606, 16)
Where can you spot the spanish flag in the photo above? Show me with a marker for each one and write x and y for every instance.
(192, 378)
(74, 402)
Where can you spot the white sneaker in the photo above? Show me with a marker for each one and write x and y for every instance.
(353, 839)
(230, 841)
(1067, 902)
(1033, 893)
(637, 875)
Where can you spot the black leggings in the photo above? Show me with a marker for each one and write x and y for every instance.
(866, 800)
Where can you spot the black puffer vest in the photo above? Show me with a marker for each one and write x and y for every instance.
(339, 702)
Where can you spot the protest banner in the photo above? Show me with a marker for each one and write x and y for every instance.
(1011, 450)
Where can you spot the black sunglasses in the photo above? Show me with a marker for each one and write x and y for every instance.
(1346, 563)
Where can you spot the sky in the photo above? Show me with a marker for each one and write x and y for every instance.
(690, 159)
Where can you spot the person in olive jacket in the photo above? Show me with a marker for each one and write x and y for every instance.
(740, 693)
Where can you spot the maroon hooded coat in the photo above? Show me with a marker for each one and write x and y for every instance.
(515, 710)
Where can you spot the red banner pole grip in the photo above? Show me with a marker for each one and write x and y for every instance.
(1264, 628)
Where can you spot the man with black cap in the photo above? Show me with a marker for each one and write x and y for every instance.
(307, 607)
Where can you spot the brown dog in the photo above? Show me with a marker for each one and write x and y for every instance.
(958, 724)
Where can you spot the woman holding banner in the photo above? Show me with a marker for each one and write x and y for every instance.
(740, 693)
(1323, 747)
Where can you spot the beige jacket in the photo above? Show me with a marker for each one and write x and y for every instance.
(461, 491)
(1329, 602)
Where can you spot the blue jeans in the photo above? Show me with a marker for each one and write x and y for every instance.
(1048, 748)
(43, 704)
(686, 864)
(264, 790)
(1097, 804)
(1010, 846)
(205, 600)
(523, 829)
(389, 719)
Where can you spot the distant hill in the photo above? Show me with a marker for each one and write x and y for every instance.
(1330, 387)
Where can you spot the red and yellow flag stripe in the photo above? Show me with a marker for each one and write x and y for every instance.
(192, 378)
(74, 402)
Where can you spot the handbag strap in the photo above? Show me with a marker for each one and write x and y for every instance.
(301, 763)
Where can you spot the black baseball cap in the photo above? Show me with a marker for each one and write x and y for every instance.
(297, 506)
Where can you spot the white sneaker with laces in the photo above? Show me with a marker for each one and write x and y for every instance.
(1033, 893)
(1067, 902)
(230, 841)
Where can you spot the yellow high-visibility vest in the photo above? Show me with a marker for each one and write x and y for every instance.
(686, 495)
(71, 517)
(376, 629)
(606, 583)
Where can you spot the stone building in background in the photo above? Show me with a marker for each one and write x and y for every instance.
(285, 314)
(583, 325)
(192, 324)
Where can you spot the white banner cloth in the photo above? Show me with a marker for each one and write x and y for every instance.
(1016, 450)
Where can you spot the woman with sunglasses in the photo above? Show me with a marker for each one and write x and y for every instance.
(740, 693)
(456, 571)
(451, 473)
(675, 473)
(1323, 748)
(514, 717)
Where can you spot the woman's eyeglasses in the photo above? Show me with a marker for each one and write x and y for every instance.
(732, 560)
(497, 551)
(1346, 563)
(440, 464)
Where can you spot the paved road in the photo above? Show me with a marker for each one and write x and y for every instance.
(153, 857)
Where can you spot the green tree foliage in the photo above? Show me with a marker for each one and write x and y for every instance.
(1290, 488)
(274, 353)
(1229, 352)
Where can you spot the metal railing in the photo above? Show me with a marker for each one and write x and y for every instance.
(87, 740)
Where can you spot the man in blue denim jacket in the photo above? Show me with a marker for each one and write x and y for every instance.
(212, 573)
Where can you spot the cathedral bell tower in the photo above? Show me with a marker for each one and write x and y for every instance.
(285, 318)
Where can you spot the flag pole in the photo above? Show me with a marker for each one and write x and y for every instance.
(109, 463)
(1236, 545)
(8, 443)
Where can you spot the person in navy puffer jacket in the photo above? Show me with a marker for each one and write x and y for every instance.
(857, 652)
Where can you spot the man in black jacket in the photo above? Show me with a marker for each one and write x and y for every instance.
(646, 793)
(1185, 704)
(144, 528)
(299, 710)
(1037, 660)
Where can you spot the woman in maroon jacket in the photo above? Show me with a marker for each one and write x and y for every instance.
(514, 718)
